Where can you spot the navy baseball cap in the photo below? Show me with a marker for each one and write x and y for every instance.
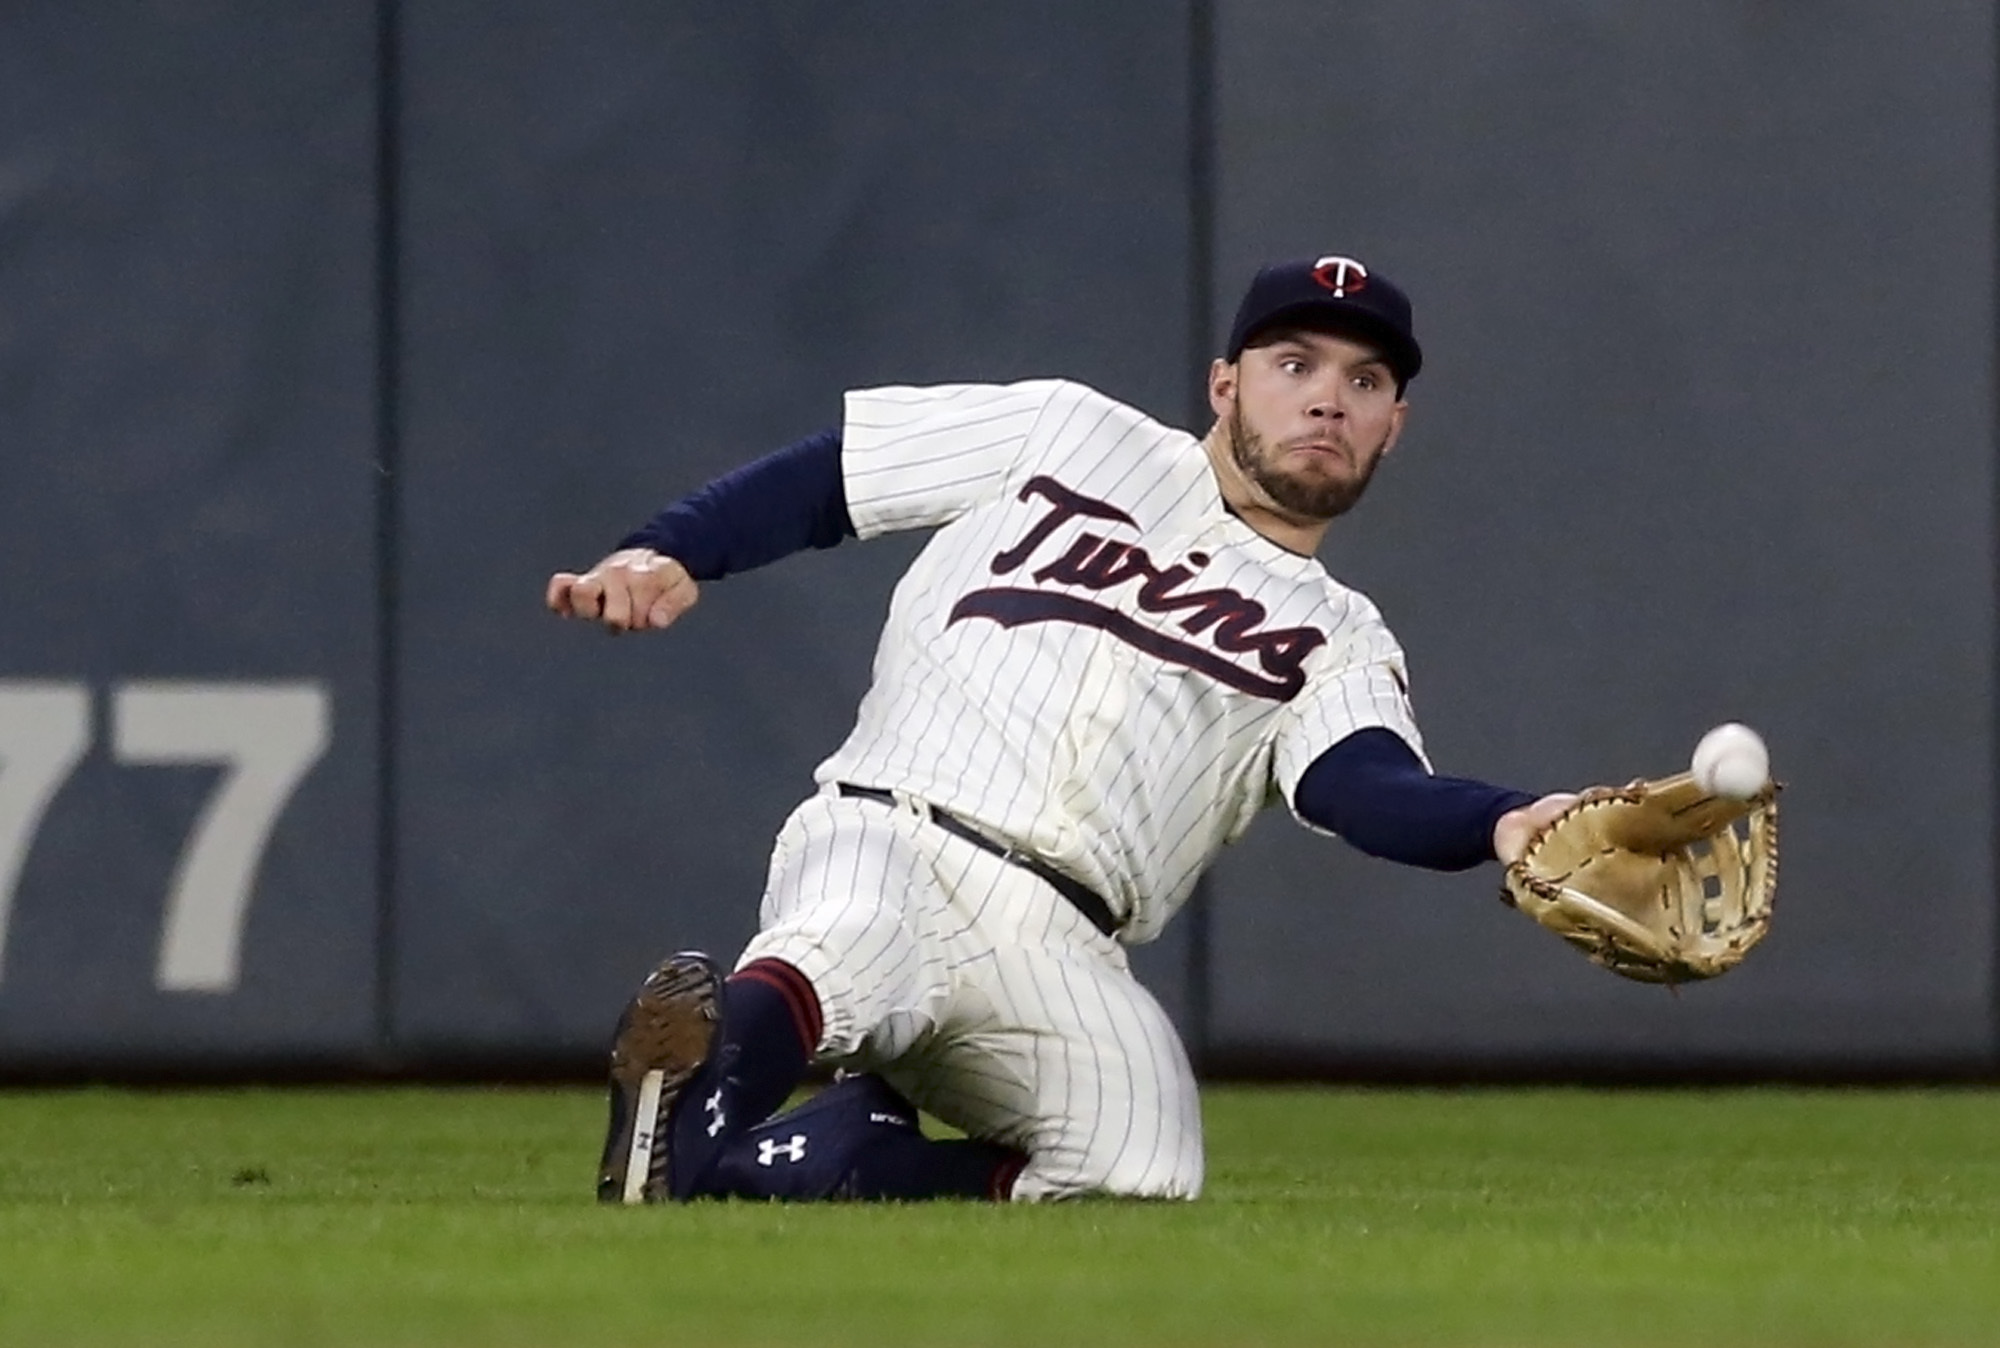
(1333, 294)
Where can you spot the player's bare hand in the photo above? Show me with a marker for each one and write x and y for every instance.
(1513, 829)
(633, 590)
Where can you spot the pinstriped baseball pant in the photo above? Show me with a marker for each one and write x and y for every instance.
(981, 994)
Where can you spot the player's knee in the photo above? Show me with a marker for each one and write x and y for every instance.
(1050, 1178)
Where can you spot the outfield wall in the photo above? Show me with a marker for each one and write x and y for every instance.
(327, 332)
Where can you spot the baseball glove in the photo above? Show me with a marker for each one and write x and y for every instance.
(1658, 881)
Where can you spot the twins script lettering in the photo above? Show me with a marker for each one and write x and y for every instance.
(1227, 621)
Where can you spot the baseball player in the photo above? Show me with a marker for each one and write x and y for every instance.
(1116, 647)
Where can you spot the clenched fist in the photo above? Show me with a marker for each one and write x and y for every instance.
(630, 591)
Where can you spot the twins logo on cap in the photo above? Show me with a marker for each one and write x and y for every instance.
(1333, 293)
(1341, 275)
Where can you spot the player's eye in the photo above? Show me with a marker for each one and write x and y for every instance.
(1292, 365)
(1367, 383)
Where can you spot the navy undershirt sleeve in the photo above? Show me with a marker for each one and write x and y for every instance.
(1373, 790)
(783, 503)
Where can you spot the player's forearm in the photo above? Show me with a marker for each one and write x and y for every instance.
(1373, 791)
(783, 503)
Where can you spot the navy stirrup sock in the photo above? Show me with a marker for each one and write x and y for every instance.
(771, 1021)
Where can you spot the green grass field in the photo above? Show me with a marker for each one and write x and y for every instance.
(463, 1217)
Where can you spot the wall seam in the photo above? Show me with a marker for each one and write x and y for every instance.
(388, 513)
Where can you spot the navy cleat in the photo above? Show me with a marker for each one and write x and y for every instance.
(817, 1150)
(665, 1036)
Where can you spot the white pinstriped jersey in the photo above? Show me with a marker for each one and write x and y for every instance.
(1093, 657)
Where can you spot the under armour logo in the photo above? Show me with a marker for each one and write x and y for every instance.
(770, 1149)
(1340, 275)
(714, 1106)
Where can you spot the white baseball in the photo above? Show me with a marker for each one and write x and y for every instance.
(1731, 761)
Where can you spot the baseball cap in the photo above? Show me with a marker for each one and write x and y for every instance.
(1338, 294)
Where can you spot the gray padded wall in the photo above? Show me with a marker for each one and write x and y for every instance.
(1708, 296)
(645, 243)
(186, 507)
(1706, 433)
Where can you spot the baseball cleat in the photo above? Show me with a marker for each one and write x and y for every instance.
(664, 1037)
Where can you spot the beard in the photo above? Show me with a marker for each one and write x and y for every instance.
(1314, 498)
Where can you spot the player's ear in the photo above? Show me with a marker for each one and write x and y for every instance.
(1221, 386)
(1396, 419)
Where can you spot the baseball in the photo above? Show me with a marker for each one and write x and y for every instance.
(1731, 761)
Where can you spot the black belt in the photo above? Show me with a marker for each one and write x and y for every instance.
(1081, 896)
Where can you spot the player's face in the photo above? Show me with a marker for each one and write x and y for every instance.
(1310, 415)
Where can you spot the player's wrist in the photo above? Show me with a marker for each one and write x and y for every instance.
(1516, 828)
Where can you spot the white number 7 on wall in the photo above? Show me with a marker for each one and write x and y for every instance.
(270, 736)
